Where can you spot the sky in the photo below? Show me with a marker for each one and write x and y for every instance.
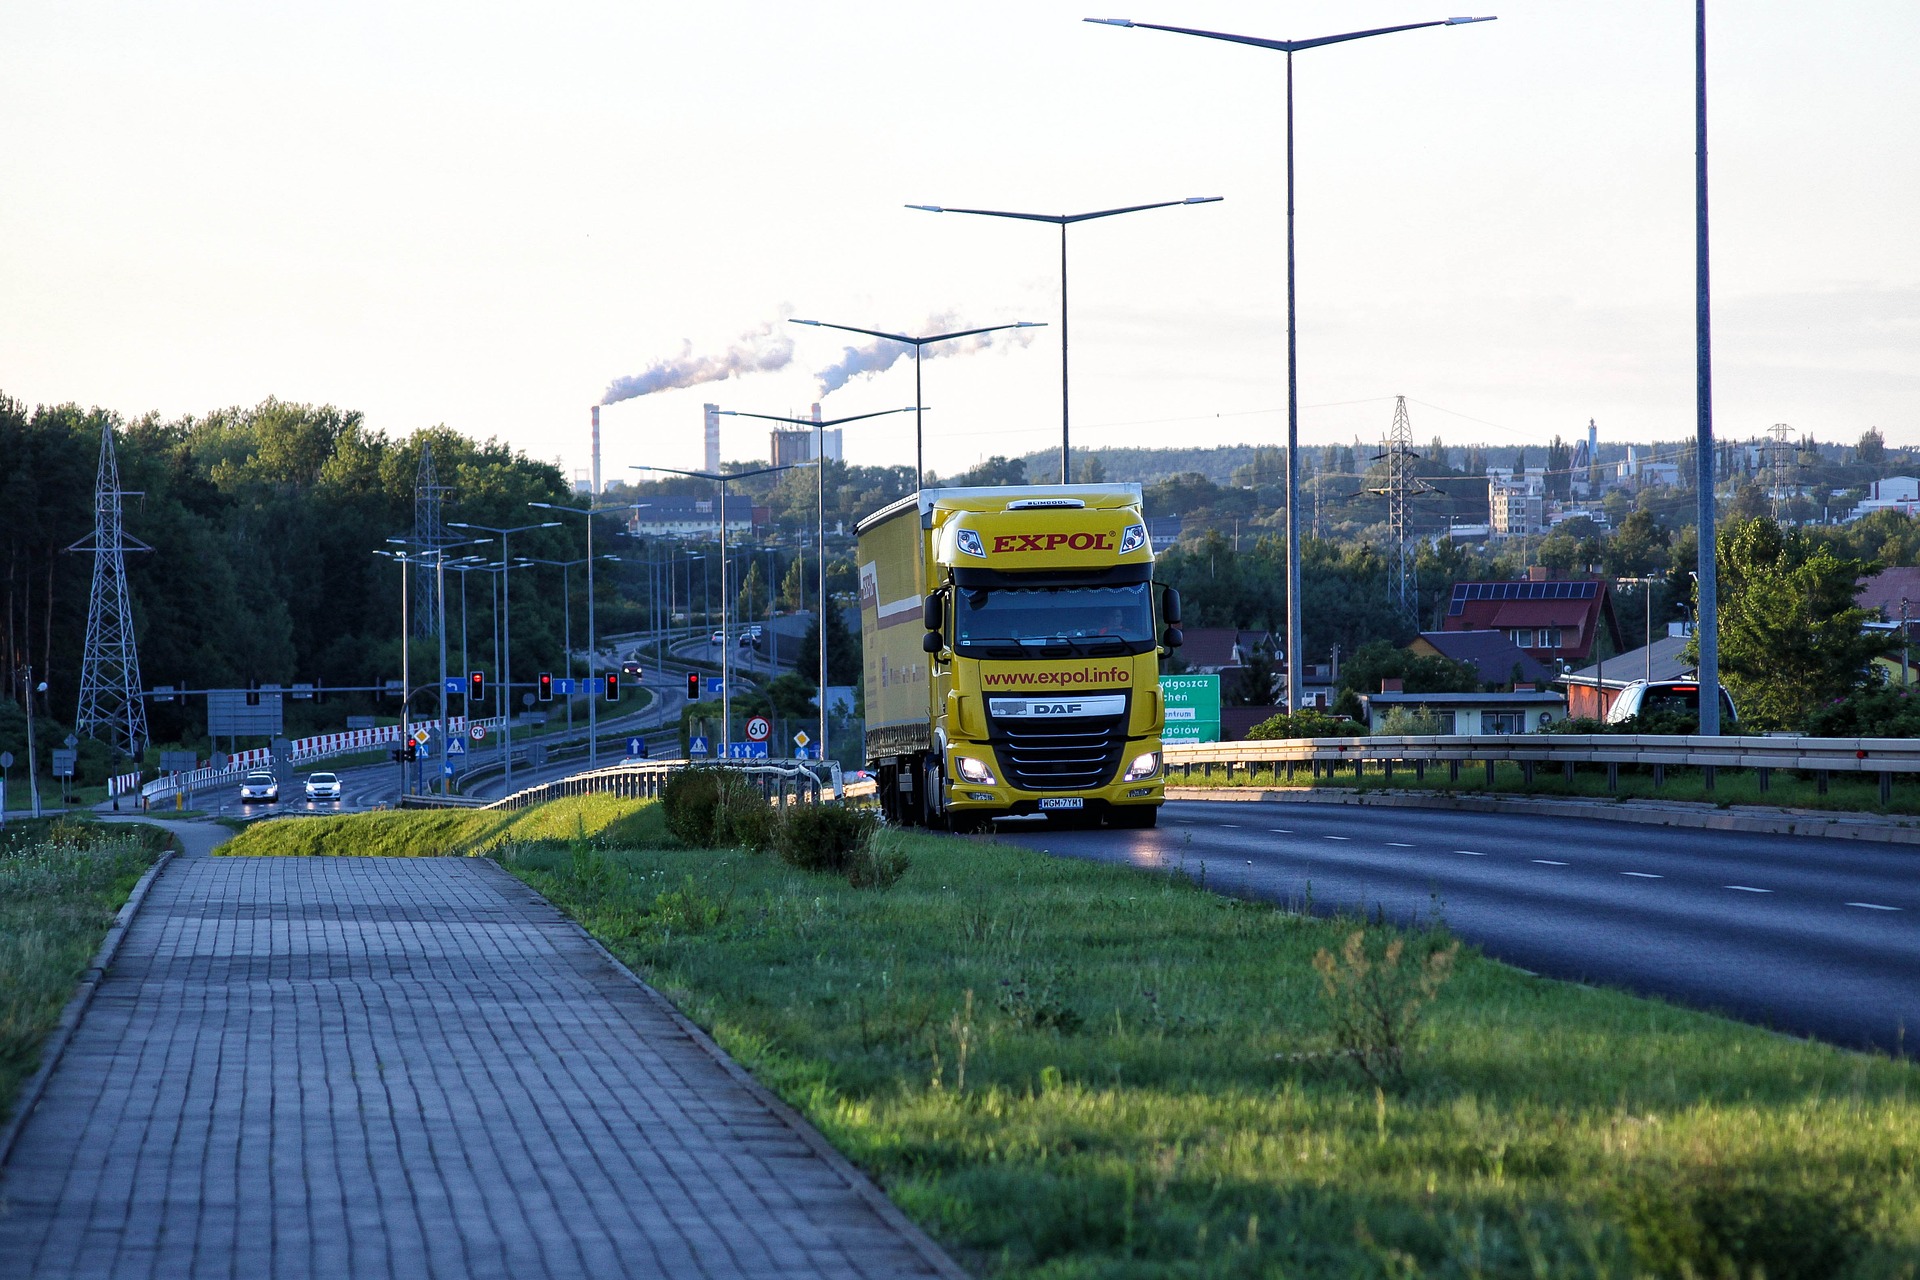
(486, 216)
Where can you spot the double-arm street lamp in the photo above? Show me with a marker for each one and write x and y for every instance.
(919, 403)
(1063, 221)
(820, 477)
(437, 556)
(723, 479)
(506, 618)
(1295, 674)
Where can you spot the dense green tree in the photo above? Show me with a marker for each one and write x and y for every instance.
(843, 649)
(1379, 660)
(1791, 638)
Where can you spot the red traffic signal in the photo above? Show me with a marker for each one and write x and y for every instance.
(546, 686)
(693, 686)
(613, 686)
(476, 687)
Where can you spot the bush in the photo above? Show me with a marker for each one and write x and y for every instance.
(826, 837)
(709, 808)
(878, 861)
(1881, 711)
(1307, 723)
(1716, 1221)
(744, 818)
(1375, 996)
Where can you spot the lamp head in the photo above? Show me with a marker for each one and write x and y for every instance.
(1110, 22)
(1461, 22)
(1203, 200)
(927, 208)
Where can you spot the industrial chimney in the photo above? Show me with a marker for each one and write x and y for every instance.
(596, 451)
(713, 438)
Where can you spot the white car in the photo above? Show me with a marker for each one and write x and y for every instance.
(718, 637)
(259, 787)
(323, 786)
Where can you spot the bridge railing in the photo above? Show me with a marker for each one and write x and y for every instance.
(1325, 757)
(781, 782)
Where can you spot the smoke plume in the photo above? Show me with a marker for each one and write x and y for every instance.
(882, 353)
(761, 350)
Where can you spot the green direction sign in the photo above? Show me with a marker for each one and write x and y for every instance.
(1193, 708)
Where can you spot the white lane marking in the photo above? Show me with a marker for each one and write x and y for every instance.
(1336, 837)
(1471, 853)
(1747, 888)
(1643, 875)
(1548, 862)
(1872, 906)
(1280, 831)
(1400, 844)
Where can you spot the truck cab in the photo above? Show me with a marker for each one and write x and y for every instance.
(1013, 641)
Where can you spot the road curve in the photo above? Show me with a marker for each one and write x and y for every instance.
(1809, 936)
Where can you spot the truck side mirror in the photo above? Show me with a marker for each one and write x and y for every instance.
(1170, 607)
(931, 642)
(931, 612)
(1173, 639)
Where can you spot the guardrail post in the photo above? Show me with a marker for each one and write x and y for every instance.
(1289, 773)
(1419, 770)
(1489, 773)
(1613, 777)
(1453, 771)
(1229, 771)
(1820, 780)
(1566, 768)
(1766, 780)
(1708, 773)
(1659, 776)
(1386, 771)
(1359, 769)
(1886, 789)
(1526, 771)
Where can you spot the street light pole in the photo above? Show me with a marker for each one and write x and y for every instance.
(820, 480)
(506, 627)
(1063, 220)
(919, 344)
(1295, 674)
(1707, 623)
(722, 479)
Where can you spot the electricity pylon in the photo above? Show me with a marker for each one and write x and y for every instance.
(1781, 460)
(1400, 489)
(429, 534)
(111, 708)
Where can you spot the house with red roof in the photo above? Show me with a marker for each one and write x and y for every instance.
(1550, 619)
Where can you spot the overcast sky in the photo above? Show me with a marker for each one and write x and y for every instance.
(485, 215)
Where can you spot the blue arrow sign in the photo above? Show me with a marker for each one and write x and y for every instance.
(746, 751)
(563, 685)
(698, 746)
(636, 746)
(454, 686)
(715, 684)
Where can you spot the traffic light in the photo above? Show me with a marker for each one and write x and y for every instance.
(546, 686)
(613, 686)
(693, 686)
(476, 687)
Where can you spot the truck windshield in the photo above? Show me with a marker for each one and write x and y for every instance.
(1013, 622)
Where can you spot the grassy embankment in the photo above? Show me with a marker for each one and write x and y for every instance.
(1845, 793)
(1069, 1070)
(60, 884)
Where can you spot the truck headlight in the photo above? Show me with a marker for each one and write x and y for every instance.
(1144, 765)
(974, 771)
(969, 542)
(1132, 538)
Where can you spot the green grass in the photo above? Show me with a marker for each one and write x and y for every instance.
(1145, 1086)
(1069, 1070)
(1845, 793)
(430, 832)
(60, 885)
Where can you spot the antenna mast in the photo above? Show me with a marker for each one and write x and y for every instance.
(111, 708)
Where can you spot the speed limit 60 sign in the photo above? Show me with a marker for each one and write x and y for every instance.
(758, 730)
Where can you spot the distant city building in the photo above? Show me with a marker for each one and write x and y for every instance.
(1512, 511)
(1895, 493)
(678, 517)
(793, 446)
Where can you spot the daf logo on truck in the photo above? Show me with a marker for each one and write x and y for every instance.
(1019, 594)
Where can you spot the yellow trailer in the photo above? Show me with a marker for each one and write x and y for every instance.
(1012, 655)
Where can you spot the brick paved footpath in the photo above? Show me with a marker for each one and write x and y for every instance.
(355, 1067)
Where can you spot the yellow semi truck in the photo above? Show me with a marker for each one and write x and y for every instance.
(1012, 655)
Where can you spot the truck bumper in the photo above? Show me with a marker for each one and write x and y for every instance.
(998, 799)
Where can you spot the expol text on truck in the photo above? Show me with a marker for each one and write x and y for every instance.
(1012, 655)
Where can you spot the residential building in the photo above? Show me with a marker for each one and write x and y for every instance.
(1522, 711)
(1591, 690)
(666, 516)
(1492, 654)
(1513, 510)
(1554, 620)
(1895, 493)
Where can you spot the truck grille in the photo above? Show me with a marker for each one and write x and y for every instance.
(1060, 755)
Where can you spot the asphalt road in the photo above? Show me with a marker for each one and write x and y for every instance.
(1809, 936)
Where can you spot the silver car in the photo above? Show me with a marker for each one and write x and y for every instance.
(323, 786)
(259, 787)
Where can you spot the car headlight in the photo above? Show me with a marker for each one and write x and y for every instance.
(974, 771)
(1144, 765)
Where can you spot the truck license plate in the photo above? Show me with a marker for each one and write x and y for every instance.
(1062, 802)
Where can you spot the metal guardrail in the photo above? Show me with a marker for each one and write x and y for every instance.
(1325, 756)
(779, 782)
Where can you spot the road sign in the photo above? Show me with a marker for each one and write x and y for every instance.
(178, 761)
(758, 730)
(636, 746)
(452, 684)
(63, 762)
(478, 733)
(563, 684)
(746, 751)
(6, 759)
(420, 736)
(698, 746)
(455, 747)
(1193, 708)
(715, 684)
(363, 722)
(801, 739)
(72, 741)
